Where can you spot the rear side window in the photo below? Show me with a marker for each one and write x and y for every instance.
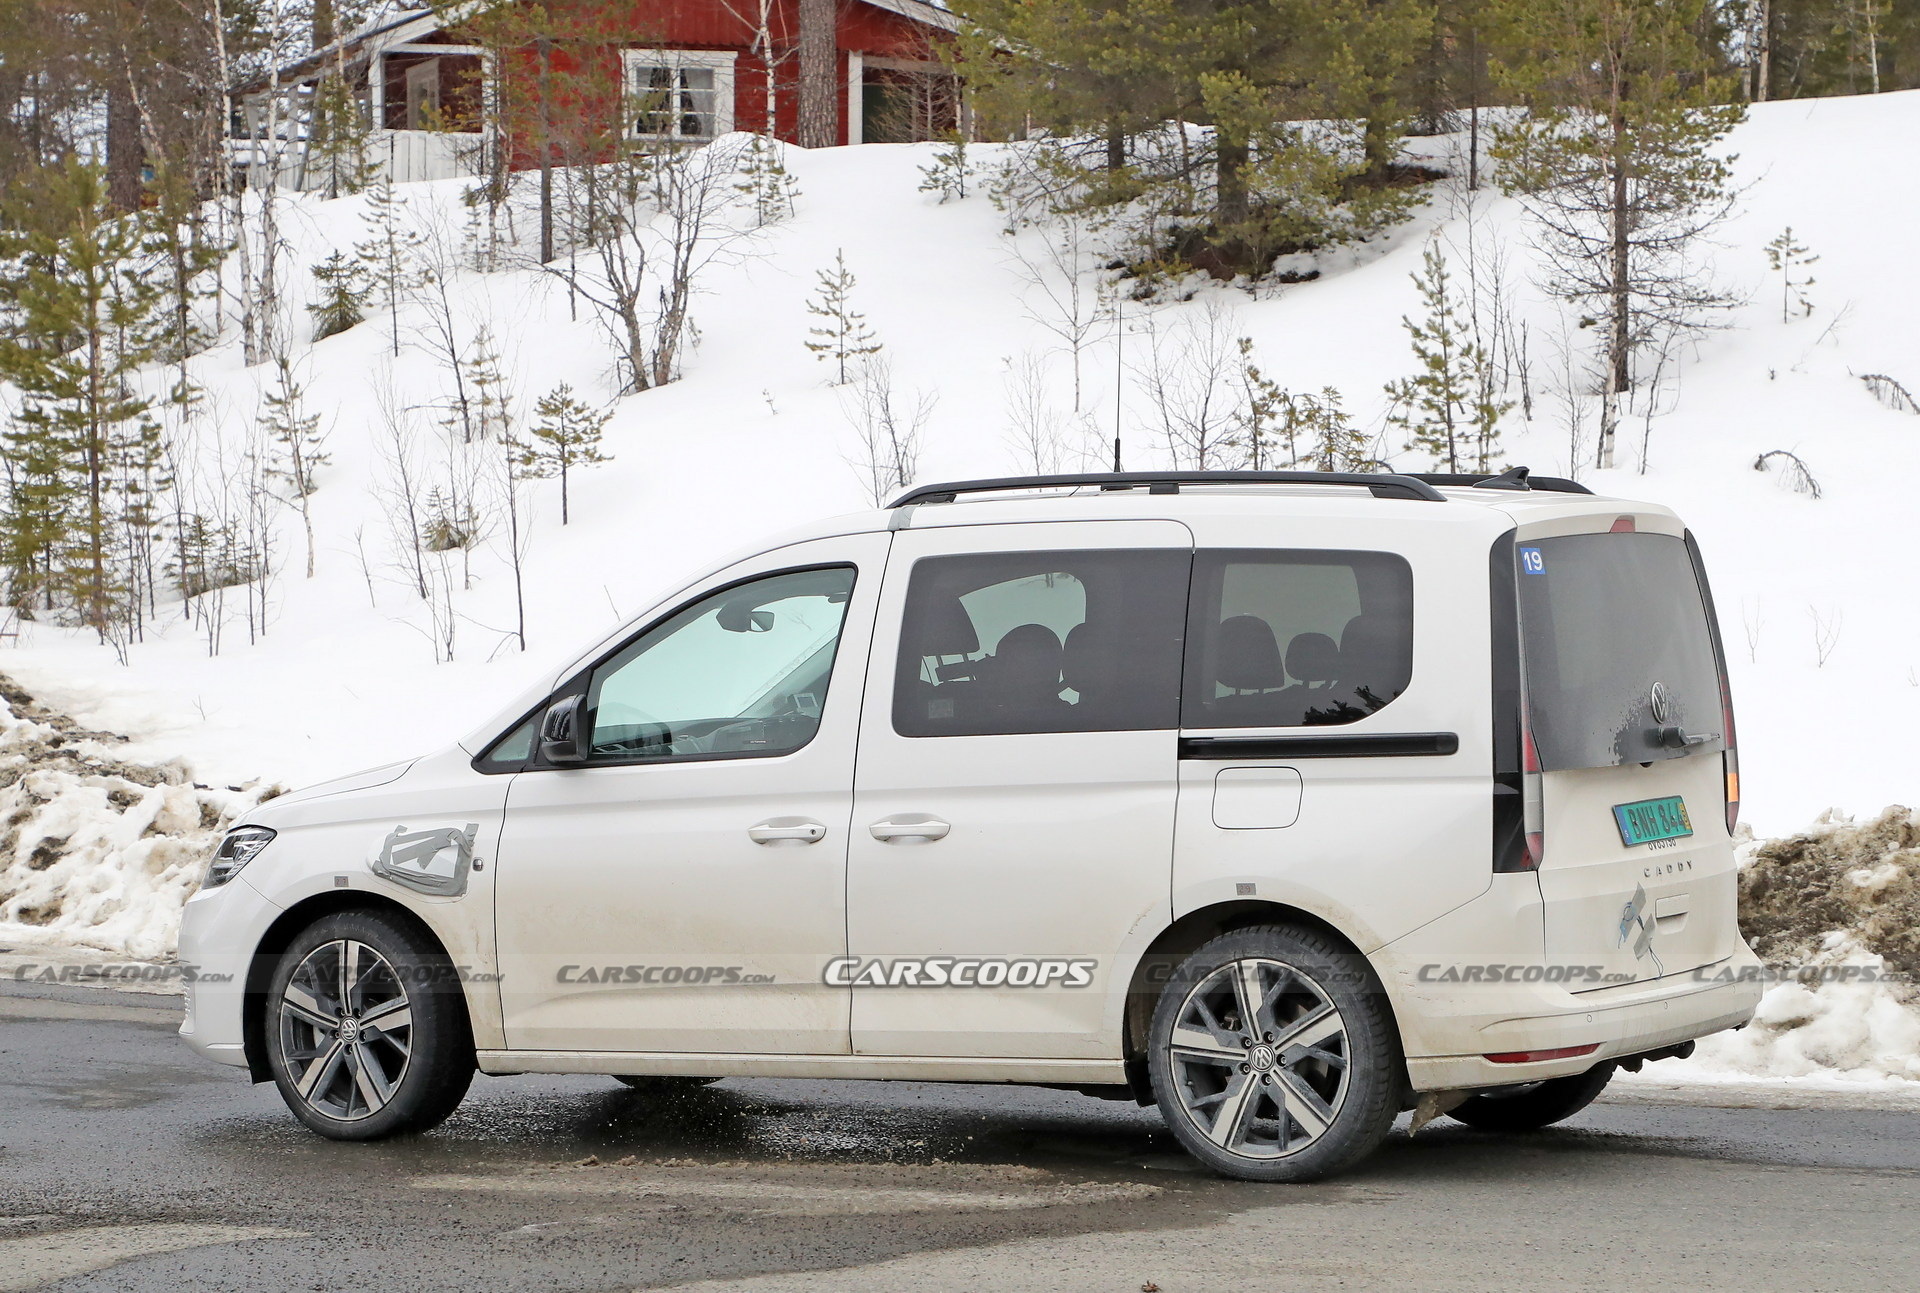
(1005, 642)
(1615, 647)
(1297, 638)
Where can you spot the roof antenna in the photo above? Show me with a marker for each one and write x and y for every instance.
(1511, 478)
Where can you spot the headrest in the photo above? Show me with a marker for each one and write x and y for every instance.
(1373, 655)
(1030, 653)
(1313, 657)
(944, 628)
(1249, 656)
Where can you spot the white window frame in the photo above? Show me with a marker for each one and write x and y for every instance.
(720, 62)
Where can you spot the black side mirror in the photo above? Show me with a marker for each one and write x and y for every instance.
(562, 738)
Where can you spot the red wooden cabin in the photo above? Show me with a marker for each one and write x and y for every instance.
(694, 69)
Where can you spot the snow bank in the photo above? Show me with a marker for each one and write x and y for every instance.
(98, 851)
(1838, 906)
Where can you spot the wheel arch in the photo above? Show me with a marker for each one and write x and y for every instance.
(1187, 934)
(280, 935)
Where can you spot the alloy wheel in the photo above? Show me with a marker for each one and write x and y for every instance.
(346, 1030)
(1260, 1056)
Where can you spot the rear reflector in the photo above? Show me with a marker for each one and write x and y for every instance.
(1534, 1057)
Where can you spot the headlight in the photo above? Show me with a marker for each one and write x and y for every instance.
(235, 851)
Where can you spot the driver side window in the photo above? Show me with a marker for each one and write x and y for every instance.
(741, 672)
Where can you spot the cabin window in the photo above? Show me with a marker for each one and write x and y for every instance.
(679, 94)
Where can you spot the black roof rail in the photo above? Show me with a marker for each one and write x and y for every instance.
(1515, 478)
(1382, 484)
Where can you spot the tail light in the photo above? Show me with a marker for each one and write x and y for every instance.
(1731, 758)
(1532, 817)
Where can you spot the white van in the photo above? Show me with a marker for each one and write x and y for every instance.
(1286, 801)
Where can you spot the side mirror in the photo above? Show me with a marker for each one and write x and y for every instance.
(562, 740)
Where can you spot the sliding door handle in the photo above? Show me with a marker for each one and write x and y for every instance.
(787, 830)
(909, 826)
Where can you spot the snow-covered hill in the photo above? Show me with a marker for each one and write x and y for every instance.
(754, 439)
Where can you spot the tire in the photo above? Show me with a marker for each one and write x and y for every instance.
(1312, 1105)
(1534, 1105)
(391, 1053)
(664, 1087)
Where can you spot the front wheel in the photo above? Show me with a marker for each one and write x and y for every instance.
(1535, 1104)
(1273, 1055)
(366, 1029)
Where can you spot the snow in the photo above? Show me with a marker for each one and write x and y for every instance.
(98, 851)
(755, 440)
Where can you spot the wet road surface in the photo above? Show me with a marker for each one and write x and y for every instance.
(126, 1163)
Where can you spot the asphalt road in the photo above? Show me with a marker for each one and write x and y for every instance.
(128, 1164)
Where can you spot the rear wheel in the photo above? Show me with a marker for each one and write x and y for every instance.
(1534, 1105)
(1273, 1056)
(366, 1029)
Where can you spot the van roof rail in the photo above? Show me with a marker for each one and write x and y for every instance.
(1382, 484)
(1516, 478)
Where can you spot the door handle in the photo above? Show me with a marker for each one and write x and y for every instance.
(917, 826)
(787, 830)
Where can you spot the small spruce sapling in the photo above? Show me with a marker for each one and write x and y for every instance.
(1789, 260)
(295, 437)
(766, 183)
(950, 171)
(1266, 432)
(391, 252)
(344, 293)
(566, 436)
(1445, 408)
(845, 334)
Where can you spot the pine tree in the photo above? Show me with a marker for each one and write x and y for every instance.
(1441, 408)
(83, 297)
(845, 335)
(337, 151)
(1616, 163)
(769, 187)
(950, 171)
(390, 253)
(295, 437)
(450, 525)
(344, 294)
(1333, 443)
(1266, 433)
(1788, 258)
(566, 437)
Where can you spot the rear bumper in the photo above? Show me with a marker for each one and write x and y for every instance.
(1622, 1021)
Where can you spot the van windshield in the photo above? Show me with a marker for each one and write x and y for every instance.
(1616, 648)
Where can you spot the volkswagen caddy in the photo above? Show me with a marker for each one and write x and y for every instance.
(1284, 801)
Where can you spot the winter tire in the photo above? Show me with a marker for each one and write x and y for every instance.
(1274, 1057)
(1534, 1105)
(366, 1029)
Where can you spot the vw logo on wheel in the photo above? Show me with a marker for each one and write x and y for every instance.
(1662, 702)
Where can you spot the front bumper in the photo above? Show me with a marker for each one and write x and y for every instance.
(219, 929)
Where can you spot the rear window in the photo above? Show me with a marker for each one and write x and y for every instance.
(1616, 647)
(1291, 638)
